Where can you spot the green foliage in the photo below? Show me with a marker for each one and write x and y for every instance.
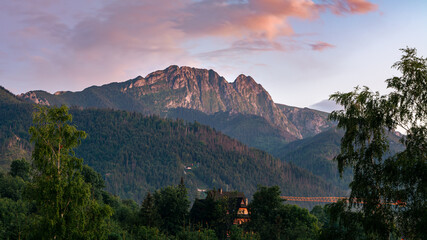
(95, 179)
(213, 213)
(297, 223)
(149, 233)
(11, 187)
(20, 168)
(172, 205)
(274, 220)
(238, 233)
(339, 224)
(381, 178)
(13, 219)
(126, 213)
(148, 215)
(320, 213)
(14, 211)
(62, 198)
(204, 234)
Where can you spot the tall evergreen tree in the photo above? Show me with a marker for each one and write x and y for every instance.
(148, 215)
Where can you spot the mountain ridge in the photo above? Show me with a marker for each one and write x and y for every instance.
(178, 87)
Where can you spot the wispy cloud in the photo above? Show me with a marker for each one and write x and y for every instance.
(320, 46)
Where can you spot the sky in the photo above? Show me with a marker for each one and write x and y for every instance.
(300, 51)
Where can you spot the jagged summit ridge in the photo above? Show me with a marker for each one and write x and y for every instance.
(178, 87)
(207, 91)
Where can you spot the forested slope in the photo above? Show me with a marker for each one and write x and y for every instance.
(251, 130)
(15, 118)
(316, 154)
(136, 154)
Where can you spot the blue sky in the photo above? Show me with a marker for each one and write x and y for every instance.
(301, 51)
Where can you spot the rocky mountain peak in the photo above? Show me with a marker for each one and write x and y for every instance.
(246, 84)
(245, 80)
(179, 87)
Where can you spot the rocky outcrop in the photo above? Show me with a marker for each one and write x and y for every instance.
(33, 96)
(308, 121)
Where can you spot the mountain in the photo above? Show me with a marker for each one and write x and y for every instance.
(308, 121)
(197, 95)
(136, 154)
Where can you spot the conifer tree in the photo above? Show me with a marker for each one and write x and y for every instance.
(148, 215)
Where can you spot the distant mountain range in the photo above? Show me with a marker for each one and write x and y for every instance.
(136, 154)
(196, 95)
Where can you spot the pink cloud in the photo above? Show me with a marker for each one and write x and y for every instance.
(111, 40)
(361, 6)
(320, 46)
(340, 7)
(302, 9)
(259, 18)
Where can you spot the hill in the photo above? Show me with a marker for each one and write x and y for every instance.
(15, 119)
(316, 155)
